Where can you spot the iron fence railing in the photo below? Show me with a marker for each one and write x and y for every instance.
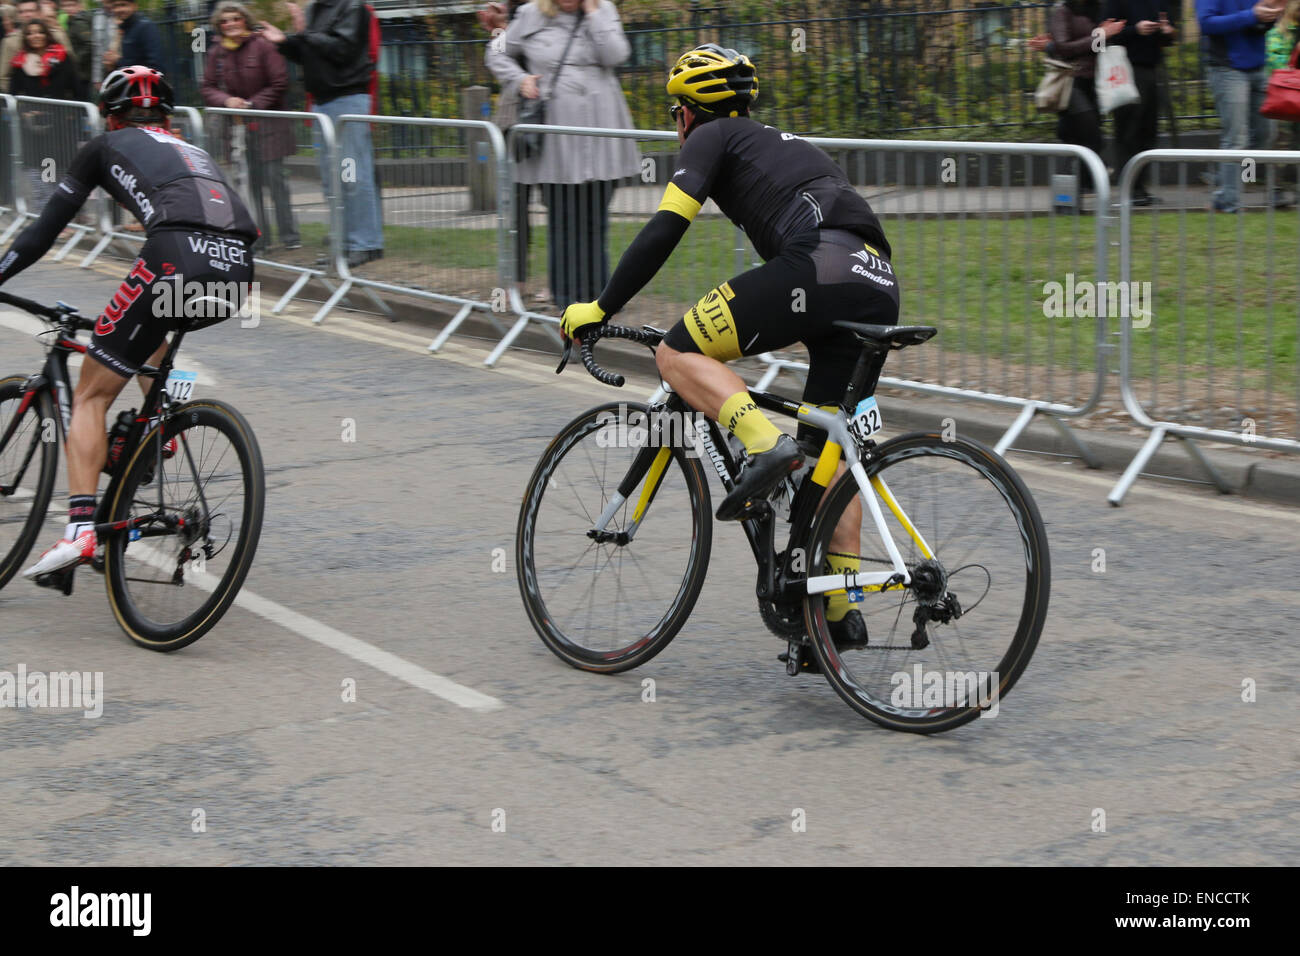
(829, 68)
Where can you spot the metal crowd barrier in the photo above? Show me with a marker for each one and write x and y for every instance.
(541, 266)
(440, 220)
(257, 149)
(48, 134)
(1205, 367)
(947, 235)
(8, 163)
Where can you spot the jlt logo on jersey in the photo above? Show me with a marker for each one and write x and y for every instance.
(128, 181)
(126, 293)
(873, 265)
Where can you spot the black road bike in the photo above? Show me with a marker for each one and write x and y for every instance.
(179, 523)
(616, 526)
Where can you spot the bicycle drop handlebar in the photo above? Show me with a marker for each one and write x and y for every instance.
(56, 314)
(587, 344)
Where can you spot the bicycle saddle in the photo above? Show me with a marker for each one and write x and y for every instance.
(888, 336)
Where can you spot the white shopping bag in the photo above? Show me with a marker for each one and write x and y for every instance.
(1115, 86)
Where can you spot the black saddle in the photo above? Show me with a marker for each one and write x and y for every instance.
(888, 336)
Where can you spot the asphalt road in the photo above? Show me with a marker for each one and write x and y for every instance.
(376, 566)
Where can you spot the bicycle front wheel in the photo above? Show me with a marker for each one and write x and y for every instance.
(948, 647)
(196, 518)
(29, 456)
(611, 602)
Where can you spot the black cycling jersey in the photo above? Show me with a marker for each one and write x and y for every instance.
(774, 185)
(166, 183)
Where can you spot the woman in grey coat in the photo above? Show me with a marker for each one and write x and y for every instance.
(577, 173)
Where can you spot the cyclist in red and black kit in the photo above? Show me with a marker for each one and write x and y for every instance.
(825, 258)
(198, 231)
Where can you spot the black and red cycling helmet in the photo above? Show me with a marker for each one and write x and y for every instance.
(131, 86)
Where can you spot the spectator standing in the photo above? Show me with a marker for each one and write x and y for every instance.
(7, 15)
(80, 32)
(141, 43)
(244, 70)
(1232, 34)
(1069, 38)
(332, 43)
(28, 10)
(577, 174)
(495, 17)
(1149, 27)
(42, 68)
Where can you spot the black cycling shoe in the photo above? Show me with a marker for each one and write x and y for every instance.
(849, 633)
(762, 473)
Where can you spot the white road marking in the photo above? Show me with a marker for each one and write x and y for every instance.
(25, 324)
(381, 660)
(323, 634)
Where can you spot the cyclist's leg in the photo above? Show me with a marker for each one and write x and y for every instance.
(858, 288)
(754, 312)
(126, 333)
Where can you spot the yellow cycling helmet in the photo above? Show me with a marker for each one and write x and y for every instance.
(714, 79)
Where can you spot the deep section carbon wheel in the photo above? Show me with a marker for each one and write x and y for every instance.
(948, 646)
(608, 602)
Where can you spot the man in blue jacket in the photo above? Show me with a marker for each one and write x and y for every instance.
(141, 41)
(1233, 38)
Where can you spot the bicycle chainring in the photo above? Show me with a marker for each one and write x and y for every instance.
(784, 620)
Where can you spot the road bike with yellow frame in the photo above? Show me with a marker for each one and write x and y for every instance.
(952, 570)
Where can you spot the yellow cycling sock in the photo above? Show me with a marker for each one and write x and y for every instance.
(837, 605)
(744, 420)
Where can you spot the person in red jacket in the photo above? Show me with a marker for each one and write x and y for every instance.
(244, 70)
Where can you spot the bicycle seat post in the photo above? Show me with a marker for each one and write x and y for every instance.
(865, 377)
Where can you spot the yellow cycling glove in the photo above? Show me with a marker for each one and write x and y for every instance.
(580, 314)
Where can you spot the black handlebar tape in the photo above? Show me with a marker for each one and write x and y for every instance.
(598, 373)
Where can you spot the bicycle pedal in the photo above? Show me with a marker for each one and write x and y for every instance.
(57, 580)
(798, 660)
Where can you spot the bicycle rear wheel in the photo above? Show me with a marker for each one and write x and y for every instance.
(611, 605)
(170, 583)
(29, 457)
(920, 672)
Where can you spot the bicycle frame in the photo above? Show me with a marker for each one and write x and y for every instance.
(651, 463)
(54, 378)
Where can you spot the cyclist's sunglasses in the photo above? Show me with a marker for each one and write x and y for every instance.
(675, 111)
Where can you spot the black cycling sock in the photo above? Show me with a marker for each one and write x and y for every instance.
(81, 511)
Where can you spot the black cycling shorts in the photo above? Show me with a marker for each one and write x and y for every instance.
(182, 280)
(794, 297)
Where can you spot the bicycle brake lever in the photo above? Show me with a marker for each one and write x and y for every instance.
(564, 356)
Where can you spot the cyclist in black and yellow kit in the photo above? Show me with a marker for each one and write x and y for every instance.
(825, 258)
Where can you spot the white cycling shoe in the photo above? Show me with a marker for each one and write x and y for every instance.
(65, 554)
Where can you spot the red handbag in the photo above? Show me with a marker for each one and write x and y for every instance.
(1282, 102)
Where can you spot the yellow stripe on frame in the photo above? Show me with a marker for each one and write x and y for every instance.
(826, 464)
(888, 497)
(676, 200)
(651, 482)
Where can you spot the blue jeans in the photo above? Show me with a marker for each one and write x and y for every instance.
(362, 225)
(1238, 95)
